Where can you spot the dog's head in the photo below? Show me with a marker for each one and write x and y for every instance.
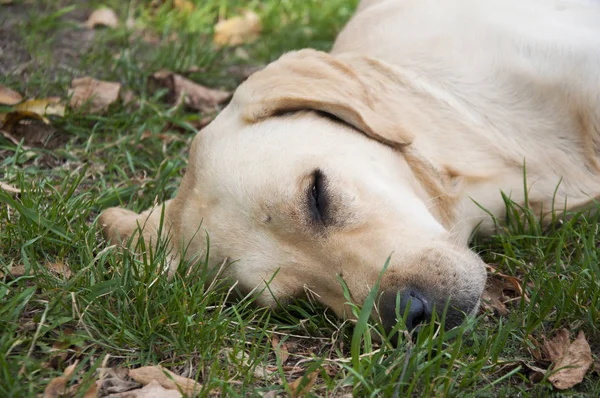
(309, 176)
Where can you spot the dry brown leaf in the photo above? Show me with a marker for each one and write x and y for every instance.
(296, 391)
(114, 381)
(280, 350)
(97, 93)
(102, 17)
(33, 129)
(270, 394)
(151, 390)
(193, 95)
(493, 297)
(573, 365)
(557, 346)
(91, 392)
(9, 188)
(15, 271)
(59, 269)
(169, 380)
(58, 386)
(501, 289)
(44, 107)
(9, 96)
(238, 30)
(127, 97)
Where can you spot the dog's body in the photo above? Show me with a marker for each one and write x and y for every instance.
(455, 99)
(490, 84)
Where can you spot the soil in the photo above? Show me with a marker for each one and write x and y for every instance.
(66, 44)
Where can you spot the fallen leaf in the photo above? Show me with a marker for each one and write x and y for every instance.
(596, 367)
(44, 107)
(185, 6)
(296, 391)
(102, 17)
(556, 347)
(127, 97)
(114, 381)
(15, 271)
(32, 129)
(9, 96)
(573, 365)
(536, 374)
(281, 350)
(270, 394)
(170, 380)
(91, 392)
(7, 120)
(238, 30)
(501, 289)
(58, 386)
(534, 348)
(193, 95)
(152, 390)
(97, 93)
(9, 188)
(59, 269)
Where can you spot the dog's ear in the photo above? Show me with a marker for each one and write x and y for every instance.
(314, 80)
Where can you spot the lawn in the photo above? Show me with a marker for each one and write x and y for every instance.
(67, 298)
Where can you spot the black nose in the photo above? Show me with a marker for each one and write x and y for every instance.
(416, 306)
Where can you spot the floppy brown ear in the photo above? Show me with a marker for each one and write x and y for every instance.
(314, 80)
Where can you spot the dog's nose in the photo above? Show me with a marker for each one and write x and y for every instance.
(417, 307)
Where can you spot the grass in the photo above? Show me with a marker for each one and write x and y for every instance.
(113, 310)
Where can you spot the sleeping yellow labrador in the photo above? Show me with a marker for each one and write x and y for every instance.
(325, 164)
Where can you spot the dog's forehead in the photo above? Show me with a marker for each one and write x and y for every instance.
(282, 145)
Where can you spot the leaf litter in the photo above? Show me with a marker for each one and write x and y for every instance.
(97, 95)
(574, 361)
(28, 121)
(184, 91)
(564, 362)
(9, 96)
(500, 290)
(240, 29)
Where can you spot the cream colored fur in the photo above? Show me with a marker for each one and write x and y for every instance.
(438, 106)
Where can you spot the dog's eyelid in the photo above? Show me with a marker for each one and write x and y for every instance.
(317, 198)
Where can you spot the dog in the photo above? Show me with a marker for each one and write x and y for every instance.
(395, 145)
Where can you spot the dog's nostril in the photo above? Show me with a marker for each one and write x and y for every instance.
(417, 308)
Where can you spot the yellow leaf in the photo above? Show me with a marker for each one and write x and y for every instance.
(184, 5)
(10, 119)
(238, 30)
(44, 107)
(9, 96)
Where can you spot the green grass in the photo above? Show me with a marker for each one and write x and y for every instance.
(115, 311)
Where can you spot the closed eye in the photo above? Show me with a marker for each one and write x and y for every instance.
(318, 201)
